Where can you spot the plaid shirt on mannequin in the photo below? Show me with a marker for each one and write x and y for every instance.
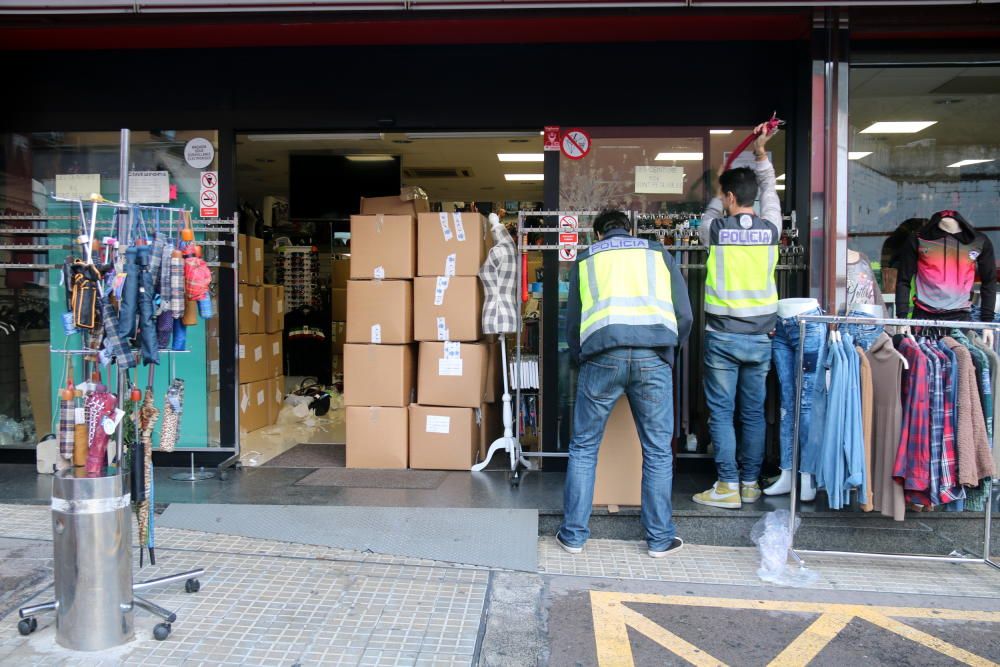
(499, 277)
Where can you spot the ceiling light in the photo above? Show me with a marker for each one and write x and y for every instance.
(720, 131)
(370, 158)
(524, 177)
(898, 127)
(368, 136)
(966, 163)
(779, 186)
(521, 157)
(780, 178)
(679, 156)
(857, 155)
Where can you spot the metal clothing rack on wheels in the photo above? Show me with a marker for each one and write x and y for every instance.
(803, 320)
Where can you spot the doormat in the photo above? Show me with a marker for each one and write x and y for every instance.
(307, 455)
(374, 479)
(500, 538)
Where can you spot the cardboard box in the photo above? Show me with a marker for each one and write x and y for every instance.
(253, 358)
(442, 253)
(255, 260)
(214, 418)
(212, 356)
(457, 381)
(275, 354)
(338, 309)
(253, 406)
(383, 247)
(380, 311)
(393, 205)
(494, 373)
(340, 272)
(36, 359)
(275, 397)
(443, 438)
(338, 336)
(447, 308)
(490, 426)
(241, 256)
(378, 375)
(273, 297)
(377, 437)
(251, 309)
(619, 460)
(212, 324)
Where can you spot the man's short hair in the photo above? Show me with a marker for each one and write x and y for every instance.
(611, 219)
(742, 182)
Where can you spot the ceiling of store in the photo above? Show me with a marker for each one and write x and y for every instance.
(963, 101)
(262, 166)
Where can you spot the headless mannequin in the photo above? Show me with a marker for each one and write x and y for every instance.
(950, 226)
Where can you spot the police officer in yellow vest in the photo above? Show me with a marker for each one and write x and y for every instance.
(628, 310)
(741, 305)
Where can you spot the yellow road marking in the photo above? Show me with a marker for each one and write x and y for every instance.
(612, 620)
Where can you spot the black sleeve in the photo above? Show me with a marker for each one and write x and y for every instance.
(573, 307)
(681, 299)
(907, 269)
(986, 266)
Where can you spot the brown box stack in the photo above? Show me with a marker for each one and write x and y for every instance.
(443, 438)
(253, 406)
(251, 260)
(447, 308)
(377, 437)
(450, 244)
(380, 312)
(254, 358)
(273, 318)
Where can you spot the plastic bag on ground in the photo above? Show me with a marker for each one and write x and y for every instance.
(773, 540)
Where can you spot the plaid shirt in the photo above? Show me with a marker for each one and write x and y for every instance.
(114, 343)
(950, 489)
(937, 418)
(67, 426)
(913, 456)
(499, 277)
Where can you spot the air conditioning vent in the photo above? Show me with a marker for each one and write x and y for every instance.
(437, 172)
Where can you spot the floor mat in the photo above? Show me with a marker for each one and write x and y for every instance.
(306, 455)
(502, 538)
(374, 479)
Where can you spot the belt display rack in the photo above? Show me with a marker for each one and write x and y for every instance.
(804, 320)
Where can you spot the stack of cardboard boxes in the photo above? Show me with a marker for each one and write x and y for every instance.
(261, 325)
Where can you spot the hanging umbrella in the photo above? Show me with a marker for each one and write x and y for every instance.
(172, 408)
(67, 415)
(148, 416)
(147, 323)
(99, 407)
(129, 299)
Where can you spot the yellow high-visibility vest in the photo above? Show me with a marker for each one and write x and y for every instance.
(624, 281)
(740, 270)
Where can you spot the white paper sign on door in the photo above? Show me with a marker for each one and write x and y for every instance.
(77, 186)
(149, 187)
(659, 180)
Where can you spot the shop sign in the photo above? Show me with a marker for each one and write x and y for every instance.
(208, 198)
(77, 186)
(551, 137)
(149, 187)
(576, 144)
(659, 180)
(199, 152)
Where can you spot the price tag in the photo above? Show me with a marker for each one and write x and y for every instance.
(376, 333)
(459, 227)
(438, 424)
(379, 273)
(442, 329)
(108, 424)
(439, 289)
(450, 367)
(445, 229)
(449, 265)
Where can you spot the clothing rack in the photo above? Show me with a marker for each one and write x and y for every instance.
(803, 320)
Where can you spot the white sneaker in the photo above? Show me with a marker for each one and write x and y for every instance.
(567, 548)
(674, 547)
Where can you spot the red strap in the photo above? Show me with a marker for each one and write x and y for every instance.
(772, 125)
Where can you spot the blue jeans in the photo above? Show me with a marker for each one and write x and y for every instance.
(785, 355)
(647, 381)
(863, 334)
(736, 367)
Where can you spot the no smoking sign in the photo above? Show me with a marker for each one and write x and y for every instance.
(208, 198)
(576, 144)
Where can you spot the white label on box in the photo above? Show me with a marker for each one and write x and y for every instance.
(459, 227)
(376, 333)
(255, 308)
(258, 353)
(241, 299)
(442, 329)
(445, 229)
(438, 424)
(275, 348)
(439, 289)
(379, 273)
(451, 367)
(258, 254)
(243, 351)
(278, 395)
(244, 400)
(281, 306)
(261, 397)
(453, 350)
(449, 265)
(218, 414)
(213, 367)
(79, 416)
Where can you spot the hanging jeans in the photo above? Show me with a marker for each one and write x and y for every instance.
(864, 335)
(647, 381)
(785, 356)
(736, 367)
(147, 323)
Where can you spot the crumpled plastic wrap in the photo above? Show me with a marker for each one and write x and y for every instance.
(773, 540)
(296, 423)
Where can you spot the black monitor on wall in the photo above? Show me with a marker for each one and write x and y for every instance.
(323, 187)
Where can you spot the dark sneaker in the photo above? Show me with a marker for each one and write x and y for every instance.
(567, 548)
(674, 547)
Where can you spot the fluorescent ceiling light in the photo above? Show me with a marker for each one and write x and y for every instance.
(898, 127)
(370, 158)
(779, 186)
(966, 163)
(780, 178)
(524, 177)
(370, 136)
(521, 157)
(857, 155)
(678, 157)
(720, 131)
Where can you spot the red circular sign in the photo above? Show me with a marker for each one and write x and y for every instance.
(575, 144)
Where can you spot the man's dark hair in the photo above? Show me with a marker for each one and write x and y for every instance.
(742, 182)
(608, 220)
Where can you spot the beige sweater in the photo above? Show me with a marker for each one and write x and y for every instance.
(972, 443)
